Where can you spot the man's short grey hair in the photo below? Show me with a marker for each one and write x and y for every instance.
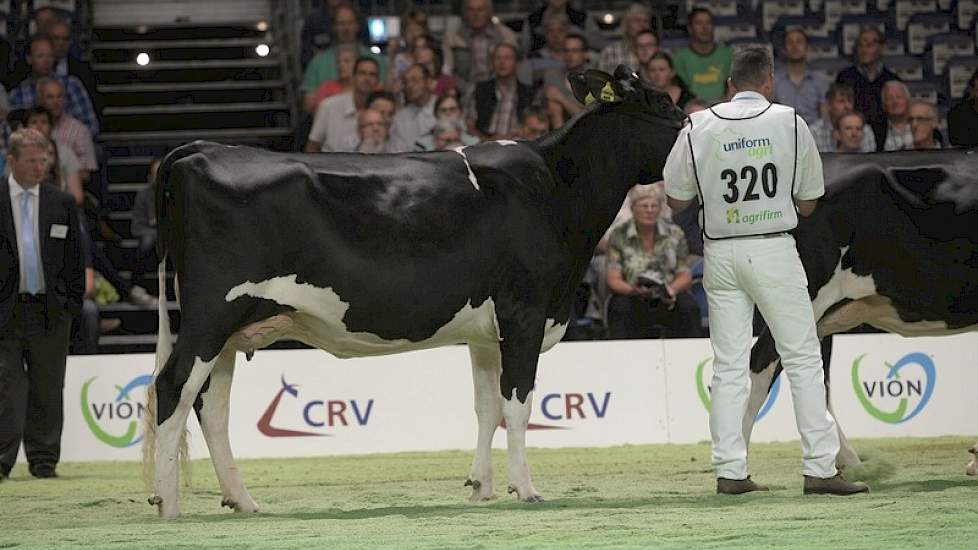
(655, 191)
(44, 81)
(25, 137)
(896, 84)
(935, 114)
(751, 65)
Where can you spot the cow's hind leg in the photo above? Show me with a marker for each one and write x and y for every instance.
(973, 465)
(213, 409)
(176, 387)
(486, 370)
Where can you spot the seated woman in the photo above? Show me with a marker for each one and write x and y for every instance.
(649, 274)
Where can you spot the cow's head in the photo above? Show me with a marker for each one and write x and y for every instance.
(627, 90)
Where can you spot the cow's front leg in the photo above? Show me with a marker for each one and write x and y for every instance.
(486, 370)
(973, 465)
(517, 415)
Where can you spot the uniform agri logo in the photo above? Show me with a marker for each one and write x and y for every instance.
(887, 391)
(313, 414)
(108, 413)
(703, 390)
(730, 141)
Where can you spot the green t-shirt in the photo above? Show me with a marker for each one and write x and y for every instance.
(705, 75)
(323, 67)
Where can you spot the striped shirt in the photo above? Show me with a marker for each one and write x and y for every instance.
(76, 136)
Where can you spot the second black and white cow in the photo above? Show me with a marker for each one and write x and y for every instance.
(893, 244)
(375, 254)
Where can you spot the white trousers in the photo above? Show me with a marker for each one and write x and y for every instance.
(739, 273)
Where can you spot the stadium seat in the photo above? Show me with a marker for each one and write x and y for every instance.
(773, 10)
(922, 26)
(945, 46)
(906, 8)
(959, 70)
(965, 13)
(836, 9)
(729, 28)
(926, 91)
(907, 67)
(850, 24)
(883, 6)
(719, 8)
(822, 48)
(674, 43)
(895, 44)
(813, 25)
(829, 68)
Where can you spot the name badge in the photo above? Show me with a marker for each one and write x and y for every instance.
(59, 231)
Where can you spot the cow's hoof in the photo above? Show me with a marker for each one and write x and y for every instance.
(155, 500)
(531, 494)
(481, 492)
(247, 507)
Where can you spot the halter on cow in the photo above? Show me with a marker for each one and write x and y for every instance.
(375, 254)
(893, 244)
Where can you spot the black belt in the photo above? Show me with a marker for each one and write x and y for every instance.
(31, 298)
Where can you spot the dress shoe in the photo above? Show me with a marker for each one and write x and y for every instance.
(738, 486)
(835, 485)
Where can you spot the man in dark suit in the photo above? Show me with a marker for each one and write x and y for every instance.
(42, 283)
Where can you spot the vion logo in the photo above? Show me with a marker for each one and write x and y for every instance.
(113, 415)
(887, 395)
(315, 413)
(703, 389)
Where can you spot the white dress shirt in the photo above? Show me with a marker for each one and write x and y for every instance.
(15, 192)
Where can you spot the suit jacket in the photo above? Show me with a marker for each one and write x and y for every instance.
(486, 101)
(62, 260)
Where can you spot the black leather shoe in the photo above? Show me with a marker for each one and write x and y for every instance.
(835, 485)
(738, 486)
(43, 472)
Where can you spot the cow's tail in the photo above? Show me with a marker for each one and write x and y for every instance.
(166, 214)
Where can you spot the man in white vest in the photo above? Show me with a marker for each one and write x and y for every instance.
(754, 167)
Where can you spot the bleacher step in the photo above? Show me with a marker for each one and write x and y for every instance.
(188, 65)
(187, 108)
(145, 87)
(181, 136)
(171, 44)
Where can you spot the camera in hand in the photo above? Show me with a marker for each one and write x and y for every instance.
(652, 281)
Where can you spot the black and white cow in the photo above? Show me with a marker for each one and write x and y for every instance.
(374, 254)
(893, 244)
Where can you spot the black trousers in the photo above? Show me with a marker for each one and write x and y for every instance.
(637, 317)
(33, 353)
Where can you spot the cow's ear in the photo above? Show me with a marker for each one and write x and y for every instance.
(579, 87)
(600, 87)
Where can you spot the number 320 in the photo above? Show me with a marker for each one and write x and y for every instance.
(769, 182)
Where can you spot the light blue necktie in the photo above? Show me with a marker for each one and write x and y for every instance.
(28, 244)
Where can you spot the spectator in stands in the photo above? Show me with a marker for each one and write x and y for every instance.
(557, 94)
(64, 164)
(383, 102)
(662, 75)
(794, 84)
(400, 49)
(318, 31)
(373, 133)
(867, 78)
(336, 118)
(646, 45)
(468, 47)
(838, 100)
(494, 106)
(695, 105)
(425, 52)
(637, 19)
(534, 35)
(896, 108)
(346, 56)
(704, 65)
(550, 56)
(648, 272)
(59, 31)
(923, 123)
(67, 129)
(962, 121)
(417, 116)
(447, 134)
(40, 57)
(143, 227)
(534, 123)
(323, 66)
(447, 107)
(850, 129)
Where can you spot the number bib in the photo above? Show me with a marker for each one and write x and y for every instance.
(745, 170)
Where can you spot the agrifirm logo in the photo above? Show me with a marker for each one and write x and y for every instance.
(314, 414)
(565, 407)
(703, 389)
(887, 391)
(733, 216)
(113, 415)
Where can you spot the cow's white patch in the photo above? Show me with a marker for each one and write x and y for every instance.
(318, 321)
(475, 183)
(505, 142)
(843, 284)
